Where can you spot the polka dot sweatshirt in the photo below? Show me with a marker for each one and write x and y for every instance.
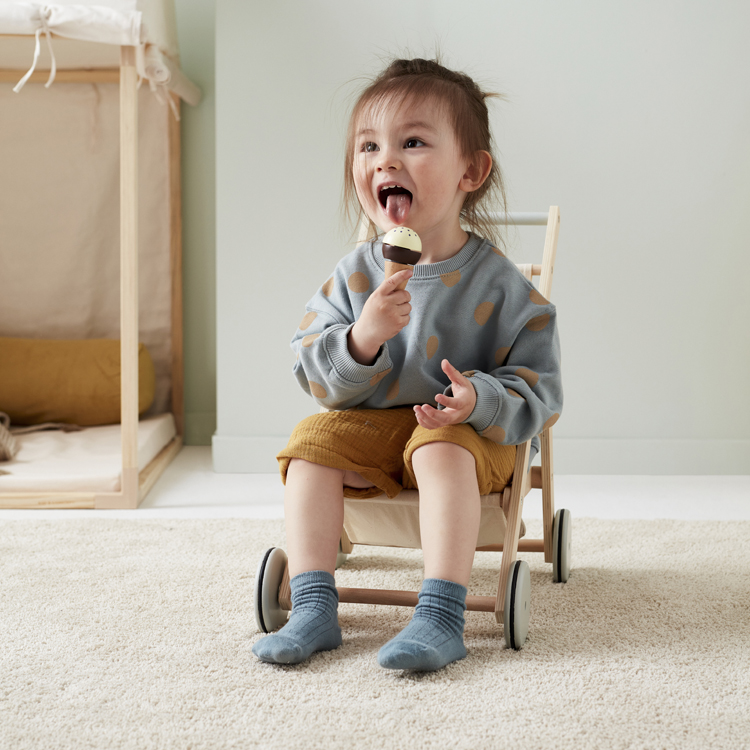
(475, 309)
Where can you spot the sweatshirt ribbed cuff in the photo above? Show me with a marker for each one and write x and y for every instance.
(486, 407)
(488, 403)
(348, 370)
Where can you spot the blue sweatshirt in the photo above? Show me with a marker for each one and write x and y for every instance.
(475, 309)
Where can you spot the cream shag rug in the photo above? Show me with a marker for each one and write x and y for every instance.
(137, 634)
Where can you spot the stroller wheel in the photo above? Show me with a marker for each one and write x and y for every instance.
(268, 613)
(517, 605)
(340, 557)
(561, 546)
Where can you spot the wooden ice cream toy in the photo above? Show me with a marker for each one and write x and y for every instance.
(402, 249)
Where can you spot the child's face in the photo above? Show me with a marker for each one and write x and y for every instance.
(412, 146)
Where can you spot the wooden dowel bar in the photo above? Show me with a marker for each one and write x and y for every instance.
(520, 218)
(378, 596)
(536, 268)
(524, 545)
(406, 598)
(101, 75)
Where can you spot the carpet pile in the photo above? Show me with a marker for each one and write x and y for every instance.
(138, 634)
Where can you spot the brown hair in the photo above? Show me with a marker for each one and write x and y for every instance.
(465, 105)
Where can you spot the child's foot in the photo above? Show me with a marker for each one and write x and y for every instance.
(435, 635)
(313, 624)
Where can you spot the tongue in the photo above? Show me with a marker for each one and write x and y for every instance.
(397, 207)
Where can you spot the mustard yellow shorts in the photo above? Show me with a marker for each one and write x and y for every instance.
(379, 443)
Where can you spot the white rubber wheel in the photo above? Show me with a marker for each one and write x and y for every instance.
(517, 605)
(269, 616)
(561, 546)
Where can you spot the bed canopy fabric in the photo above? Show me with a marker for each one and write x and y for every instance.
(90, 196)
(90, 33)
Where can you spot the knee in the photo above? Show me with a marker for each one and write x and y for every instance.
(441, 467)
(441, 456)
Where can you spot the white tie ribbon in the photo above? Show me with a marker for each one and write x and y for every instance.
(44, 13)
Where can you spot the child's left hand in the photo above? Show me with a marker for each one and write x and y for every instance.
(457, 408)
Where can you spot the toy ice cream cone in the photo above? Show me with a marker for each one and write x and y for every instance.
(402, 250)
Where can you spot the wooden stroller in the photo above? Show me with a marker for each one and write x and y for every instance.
(500, 525)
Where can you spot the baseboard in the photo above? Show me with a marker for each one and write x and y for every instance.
(256, 455)
(199, 427)
(655, 457)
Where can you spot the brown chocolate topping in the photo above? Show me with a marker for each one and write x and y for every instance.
(401, 254)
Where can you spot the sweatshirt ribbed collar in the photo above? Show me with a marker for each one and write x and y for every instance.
(433, 270)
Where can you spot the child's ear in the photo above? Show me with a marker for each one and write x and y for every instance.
(477, 172)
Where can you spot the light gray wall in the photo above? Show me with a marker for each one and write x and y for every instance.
(195, 29)
(633, 117)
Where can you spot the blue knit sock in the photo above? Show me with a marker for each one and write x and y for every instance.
(313, 624)
(435, 635)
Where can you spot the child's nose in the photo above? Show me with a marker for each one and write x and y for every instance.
(389, 159)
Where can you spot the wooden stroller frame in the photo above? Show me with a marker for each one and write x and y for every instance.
(522, 481)
(134, 484)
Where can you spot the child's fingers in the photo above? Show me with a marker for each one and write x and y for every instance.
(397, 279)
(454, 375)
(432, 418)
(447, 401)
(424, 419)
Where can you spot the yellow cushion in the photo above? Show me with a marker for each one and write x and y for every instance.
(77, 382)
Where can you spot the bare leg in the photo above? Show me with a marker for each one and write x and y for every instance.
(314, 514)
(314, 510)
(449, 510)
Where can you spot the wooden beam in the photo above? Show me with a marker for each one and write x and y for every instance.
(148, 477)
(102, 75)
(47, 500)
(129, 272)
(175, 254)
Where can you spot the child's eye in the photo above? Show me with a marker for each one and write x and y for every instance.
(414, 143)
(369, 146)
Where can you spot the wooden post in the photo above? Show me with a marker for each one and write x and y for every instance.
(545, 289)
(175, 245)
(128, 497)
(550, 252)
(513, 526)
(548, 493)
(129, 274)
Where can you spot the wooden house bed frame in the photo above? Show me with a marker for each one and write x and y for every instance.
(134, 484)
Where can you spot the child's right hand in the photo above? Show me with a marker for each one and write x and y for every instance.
(385, 313)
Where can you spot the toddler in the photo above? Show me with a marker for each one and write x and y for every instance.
(431, 387)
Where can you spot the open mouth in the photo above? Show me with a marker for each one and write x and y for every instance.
(385, 193)
(396, 202)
